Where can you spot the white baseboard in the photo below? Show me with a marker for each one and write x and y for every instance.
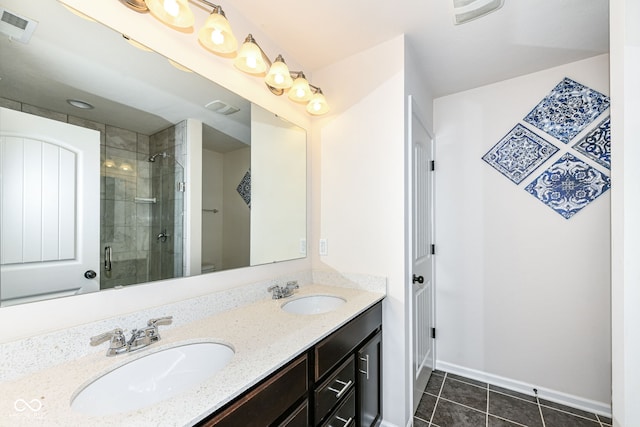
(599, 408)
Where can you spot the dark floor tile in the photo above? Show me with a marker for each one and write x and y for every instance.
(465, 394)
(498, 422)
(514, 409)
(438, 372)
(553, 418)
(467, 380)
(434, 384)
(449, 414)
(565, 408)
(523, 396)
(605, 420)
(425, 407)
(417, 422)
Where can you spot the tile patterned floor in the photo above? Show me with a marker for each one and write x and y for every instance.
(454, 401)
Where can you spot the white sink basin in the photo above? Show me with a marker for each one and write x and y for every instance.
(152, 378)
(313, 304)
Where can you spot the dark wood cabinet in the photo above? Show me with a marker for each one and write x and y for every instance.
(336, 383)
(369, 382)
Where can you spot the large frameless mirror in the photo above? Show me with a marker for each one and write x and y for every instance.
(119, 167)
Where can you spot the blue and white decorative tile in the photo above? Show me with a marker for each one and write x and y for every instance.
(568, 109)
(244, 188)
(569, 185)
(519, 153)
(597, 144)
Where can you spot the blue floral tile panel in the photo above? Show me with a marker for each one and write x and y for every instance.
(568, 109)
(244, 188)
(519, 153)
(569, 185)
(597, 144)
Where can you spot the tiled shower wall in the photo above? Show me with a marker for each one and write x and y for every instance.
(131, 228)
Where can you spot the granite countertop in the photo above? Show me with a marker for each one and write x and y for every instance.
(263, 336)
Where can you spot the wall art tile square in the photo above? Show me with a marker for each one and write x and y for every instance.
(569, 185)
(244, 188)
(519, 153)
(568, 109)
(597, 144)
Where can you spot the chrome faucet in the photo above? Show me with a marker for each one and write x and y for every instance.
(283, 291)
(140, 338)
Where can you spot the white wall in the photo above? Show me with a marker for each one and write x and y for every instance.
(358, 194)
(278, 185)
(522, 293)
(625, 135)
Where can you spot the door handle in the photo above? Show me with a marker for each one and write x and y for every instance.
(419, 279)
(107, 258)
(90, 274)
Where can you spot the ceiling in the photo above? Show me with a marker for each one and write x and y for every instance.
(522, 37)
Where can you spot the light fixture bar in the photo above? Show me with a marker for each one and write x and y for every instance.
(216, 36)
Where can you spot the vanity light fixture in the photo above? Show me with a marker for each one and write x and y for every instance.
(216, 36)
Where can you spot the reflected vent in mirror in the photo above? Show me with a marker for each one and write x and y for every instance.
(221, 107)
(19, 28)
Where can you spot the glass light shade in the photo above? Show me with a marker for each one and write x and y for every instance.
(250, 58)
(175, 13)
(300, 90)
(318, 105)
(216, 35)
(278, 75)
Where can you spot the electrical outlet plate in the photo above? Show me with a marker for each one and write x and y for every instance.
(323, 247)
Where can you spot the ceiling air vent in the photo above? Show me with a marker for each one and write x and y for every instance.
(468, 10)
(222, 107)
(19, 28)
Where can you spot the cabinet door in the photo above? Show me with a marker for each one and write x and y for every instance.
(369, 382)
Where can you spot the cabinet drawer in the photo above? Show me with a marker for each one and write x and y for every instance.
(345, 415)
(268, 401)
(335, 347)
(334, 389)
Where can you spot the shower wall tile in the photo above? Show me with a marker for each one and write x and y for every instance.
(596, 145)
(569, 185)
(144, 188)
(567, 110)
(143, 145)
(143, 235)
(42, 112)
(10, 104)
(121, 138)
(89, 124)
(143, 214)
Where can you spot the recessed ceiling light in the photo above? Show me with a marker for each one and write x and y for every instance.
(80, 104)
(468, 10)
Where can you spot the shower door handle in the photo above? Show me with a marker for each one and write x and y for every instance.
(107, 258)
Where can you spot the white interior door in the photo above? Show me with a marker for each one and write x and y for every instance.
(422, 354)
(49, 208)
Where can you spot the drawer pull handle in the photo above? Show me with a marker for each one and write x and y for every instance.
(366, 361)
(346, 422)
(345, 387)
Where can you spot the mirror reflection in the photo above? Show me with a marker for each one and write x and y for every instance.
(119, 167)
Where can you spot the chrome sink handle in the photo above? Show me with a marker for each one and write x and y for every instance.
(167, 320)
(117, 344)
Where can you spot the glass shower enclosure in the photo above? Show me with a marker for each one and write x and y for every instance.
(142, 206)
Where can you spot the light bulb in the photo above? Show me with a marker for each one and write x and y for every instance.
(172, 7)
(251, 62)
(279, 78)
(217, 37)
(300, 93)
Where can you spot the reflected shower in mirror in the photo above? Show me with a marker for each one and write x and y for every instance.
(145, 126)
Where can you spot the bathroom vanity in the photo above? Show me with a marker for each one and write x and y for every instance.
(287, 369)
(334, 383)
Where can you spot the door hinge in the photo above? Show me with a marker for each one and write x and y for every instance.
(181, 187)
(433, 249)
(433, 165)
(433, 333)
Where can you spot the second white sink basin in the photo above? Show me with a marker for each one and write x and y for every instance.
(152, 378)
(313, 304)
